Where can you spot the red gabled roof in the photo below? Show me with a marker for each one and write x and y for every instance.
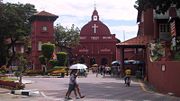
(44, 13)
(139, 40)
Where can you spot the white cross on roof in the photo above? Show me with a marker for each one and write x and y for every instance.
(94, 27)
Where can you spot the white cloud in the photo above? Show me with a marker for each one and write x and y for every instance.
(125, 28)
(114, 9)
(79, 12)
(124, 32)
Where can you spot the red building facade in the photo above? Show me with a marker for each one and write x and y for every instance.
(42, 32)
(161, 29)
(97, 44)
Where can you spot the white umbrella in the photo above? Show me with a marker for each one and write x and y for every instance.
(116, 62)
(78, 66)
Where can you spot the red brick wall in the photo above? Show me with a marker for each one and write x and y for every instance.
(165, 81)
(148, 24)
(39, 35)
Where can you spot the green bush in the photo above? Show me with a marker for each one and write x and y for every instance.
(53, 62)
(177, 56)
(62, 58)
(42, 59)
(47, 50)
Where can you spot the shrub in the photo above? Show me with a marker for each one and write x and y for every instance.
(47, 50)
(62, 58)
(177, 56)
(42, 59)
(53, 62)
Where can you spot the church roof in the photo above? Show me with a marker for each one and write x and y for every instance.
(101, 28)
(95, 12)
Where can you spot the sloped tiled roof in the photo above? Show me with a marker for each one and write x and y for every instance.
(44, 13)
(139, 40)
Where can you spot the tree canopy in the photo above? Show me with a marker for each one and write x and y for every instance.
(161, 6)
(66, 38)
(14, 27)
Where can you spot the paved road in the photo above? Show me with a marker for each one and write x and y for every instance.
(95, 88)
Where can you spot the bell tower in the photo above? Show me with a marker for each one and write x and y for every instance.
(42, 31)
(95, 16)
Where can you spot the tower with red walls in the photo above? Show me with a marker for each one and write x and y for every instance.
(42, 31)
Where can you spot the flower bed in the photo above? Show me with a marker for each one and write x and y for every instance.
(11, 85)
(33, 72)
(61, 71)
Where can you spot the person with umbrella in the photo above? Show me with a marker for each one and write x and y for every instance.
(72, 84)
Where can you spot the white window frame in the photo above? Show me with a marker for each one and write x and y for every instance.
(39, 46)
(22, 49)
(44, 28)
(163, 28)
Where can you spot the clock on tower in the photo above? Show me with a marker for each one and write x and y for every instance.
(94, 18)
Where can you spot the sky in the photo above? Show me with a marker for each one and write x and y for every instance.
(119, 15)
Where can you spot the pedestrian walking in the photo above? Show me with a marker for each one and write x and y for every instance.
(78, 89)
(97, 71)
(127, 76)
(72, 84)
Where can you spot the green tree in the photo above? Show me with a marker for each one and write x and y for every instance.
(66, 38)
(47, 52)
(14, 27)
(161, 6)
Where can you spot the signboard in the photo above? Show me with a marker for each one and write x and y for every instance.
(107, 37)
(82, 38)
(95, 38)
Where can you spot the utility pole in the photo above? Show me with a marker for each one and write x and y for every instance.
(124, 35)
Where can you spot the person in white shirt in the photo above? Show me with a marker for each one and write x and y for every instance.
(72, 84)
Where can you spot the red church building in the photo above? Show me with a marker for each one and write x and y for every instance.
(42, 32)
(97, 44)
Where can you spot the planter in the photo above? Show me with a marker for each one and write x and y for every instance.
(11, 85)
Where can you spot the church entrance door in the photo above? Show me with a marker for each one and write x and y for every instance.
(104, 61)
(92, 61)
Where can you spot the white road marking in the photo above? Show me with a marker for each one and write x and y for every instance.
(51, 98)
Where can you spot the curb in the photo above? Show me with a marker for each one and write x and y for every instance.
(143, 86)
(25, 92)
